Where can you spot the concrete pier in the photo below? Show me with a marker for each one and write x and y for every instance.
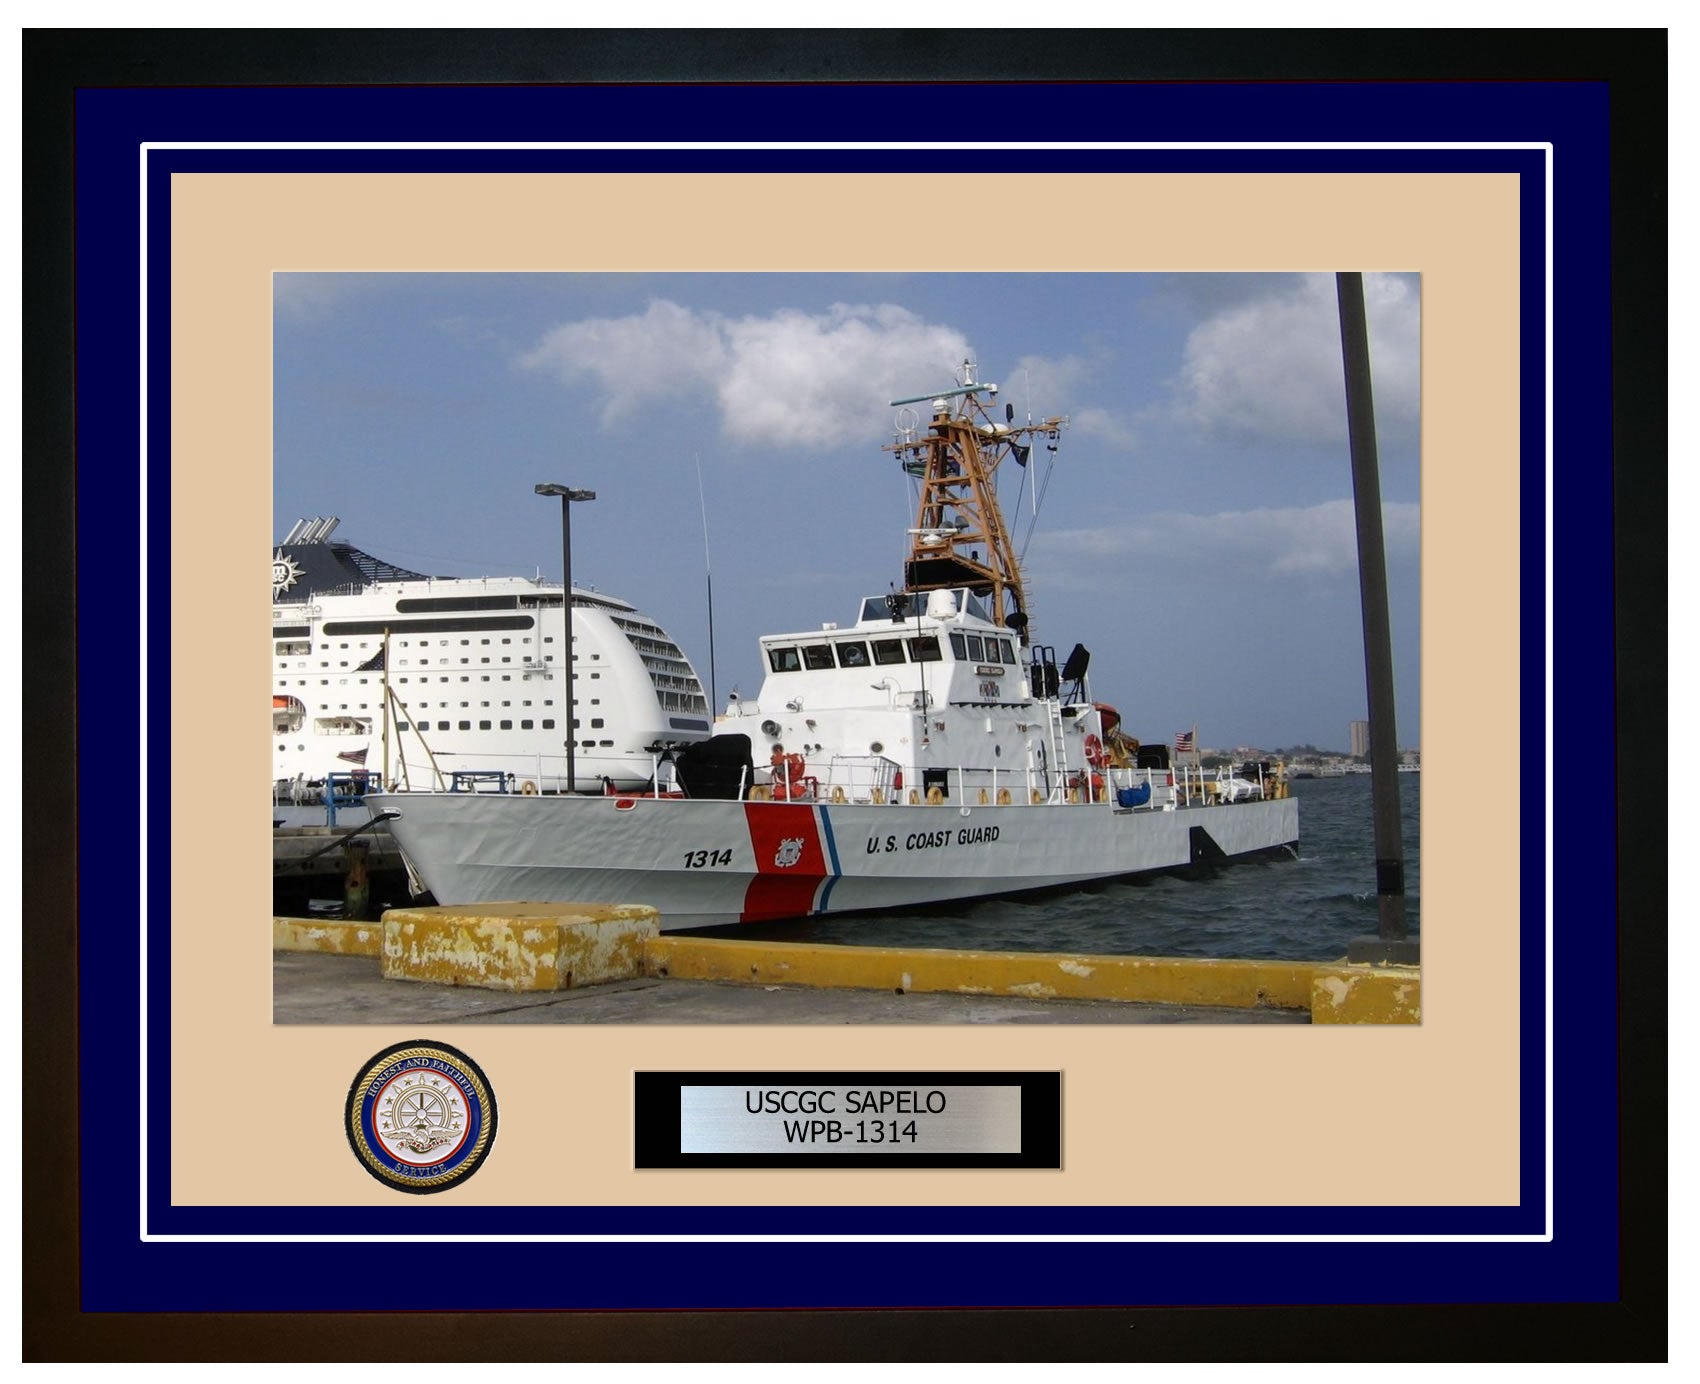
(549, 950)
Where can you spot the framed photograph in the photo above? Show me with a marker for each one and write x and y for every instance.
(743, 401)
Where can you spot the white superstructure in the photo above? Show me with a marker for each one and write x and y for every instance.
(414, 678)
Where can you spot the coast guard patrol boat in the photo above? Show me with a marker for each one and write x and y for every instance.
(927, 750)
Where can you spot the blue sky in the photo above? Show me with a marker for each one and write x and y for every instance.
(1196, 532)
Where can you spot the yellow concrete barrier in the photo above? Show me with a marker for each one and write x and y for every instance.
(517, 946)
(333, 936)
(535, 946)
(1333, 993)
(1367, 995)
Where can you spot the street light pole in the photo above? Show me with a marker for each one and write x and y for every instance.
(568, 495)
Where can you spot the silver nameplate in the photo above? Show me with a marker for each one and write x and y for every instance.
(807, 1119)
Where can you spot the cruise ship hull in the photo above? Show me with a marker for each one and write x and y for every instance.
(707, 863)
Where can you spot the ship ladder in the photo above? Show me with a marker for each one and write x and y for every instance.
(1057, 750)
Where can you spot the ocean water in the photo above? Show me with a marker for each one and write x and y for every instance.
(1292, 909)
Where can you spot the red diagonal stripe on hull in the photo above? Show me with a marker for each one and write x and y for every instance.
(783, 891)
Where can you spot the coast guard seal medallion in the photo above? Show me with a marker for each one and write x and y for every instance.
(420, 1116)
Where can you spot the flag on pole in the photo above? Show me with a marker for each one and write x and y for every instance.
(354, 756)
(1184, 741)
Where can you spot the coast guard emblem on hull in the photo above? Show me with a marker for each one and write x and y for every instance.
(285, 573)
(790, 852)
(420, 1116)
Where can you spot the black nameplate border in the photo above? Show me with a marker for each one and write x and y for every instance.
(659, 1137)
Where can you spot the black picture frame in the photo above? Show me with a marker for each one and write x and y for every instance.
(59, 62)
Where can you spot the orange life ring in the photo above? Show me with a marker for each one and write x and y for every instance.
(1095, 755)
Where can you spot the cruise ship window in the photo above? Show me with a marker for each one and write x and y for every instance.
(587, 744)
(595, 723)
(575, 723)
(484, 660)
(888, 651)
(548, 725)
(442, 725)
(596, 675)
(525, 725)
(483, 725)
(466, 725)
(507, 725)
(783, 660)
(608, 742)
(817, 656)
(596, 701)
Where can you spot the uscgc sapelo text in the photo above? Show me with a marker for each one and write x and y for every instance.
(794, 1100)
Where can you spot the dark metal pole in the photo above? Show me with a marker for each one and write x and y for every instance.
(567, 623)
(568, 495)
(1392, 943)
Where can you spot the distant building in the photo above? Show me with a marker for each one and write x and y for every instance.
(1360, 740)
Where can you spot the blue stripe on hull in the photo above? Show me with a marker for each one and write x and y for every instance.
(832, 859)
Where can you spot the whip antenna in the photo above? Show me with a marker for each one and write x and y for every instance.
(708, 580)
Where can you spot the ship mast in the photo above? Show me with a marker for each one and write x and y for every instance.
(959, 538)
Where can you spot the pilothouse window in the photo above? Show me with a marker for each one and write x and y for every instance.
(853, 654)
(784, 660)
(924, 650)
(817, 656)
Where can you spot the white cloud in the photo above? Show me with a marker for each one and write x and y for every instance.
(634, 359)
(792, 379)
(1317, 540)
(1271, 368)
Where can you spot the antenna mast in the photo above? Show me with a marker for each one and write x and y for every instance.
(959, 538)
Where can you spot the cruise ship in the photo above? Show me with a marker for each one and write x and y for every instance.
(387, 674)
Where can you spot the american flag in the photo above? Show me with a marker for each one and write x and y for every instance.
(354, 756)
(1183, 741)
